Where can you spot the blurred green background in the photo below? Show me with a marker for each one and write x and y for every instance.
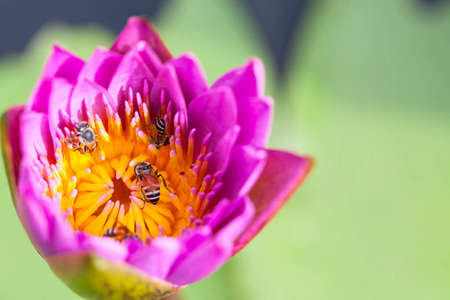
(366, 94)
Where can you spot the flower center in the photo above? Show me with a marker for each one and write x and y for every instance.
(94, 178)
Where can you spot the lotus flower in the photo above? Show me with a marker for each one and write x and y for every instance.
(110, 230)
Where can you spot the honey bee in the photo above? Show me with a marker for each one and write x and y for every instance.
(120, 233)
(161, 138)
(150, 184)
(86, 137)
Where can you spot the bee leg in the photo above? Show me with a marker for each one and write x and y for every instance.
(93, 149)
(73, 143)
(164, 181)
(78, 145)
(166, 140)
(73, 136)
(143, 194)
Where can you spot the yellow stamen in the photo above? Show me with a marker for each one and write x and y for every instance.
(98, 190)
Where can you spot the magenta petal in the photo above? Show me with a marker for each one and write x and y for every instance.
(101, 67)
(149, 57)
(131, 73)
(167, 80)
(191, 75)
(247, 81)
(37, 140)
(139, 29)
(282, 174)
(32, 208)
(237, 219)
(201, 262)
(213, 250)
(94, 95)
(222, 151)
(106, 248)
(35, 220)
(50, 96)
(244, 168)
(157, 258)
(255, 117)
(10, 132)
(213, 111)
(63, 64)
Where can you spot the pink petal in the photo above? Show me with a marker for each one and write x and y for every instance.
(101, 67)
(37, 140)
(255, 117)
(255, 112)
(201, 262)
(149, 56)
(63, 64)
(222, 151)
(35, 220)
(12, 153)
(281, 176)
(190, 74)
(244, 168)
(32, 208)
(108, 249)
(212, 249)
(50, 96)
(246, 81)
(94, 96)
(157, 258)
(131, 73)
(139, 29)
(167, 80)
(213, 111)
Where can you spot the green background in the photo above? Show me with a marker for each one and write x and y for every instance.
(367, 95)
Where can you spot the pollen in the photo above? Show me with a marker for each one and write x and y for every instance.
(95, 181)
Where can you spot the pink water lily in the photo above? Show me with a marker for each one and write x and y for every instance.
(90, 212)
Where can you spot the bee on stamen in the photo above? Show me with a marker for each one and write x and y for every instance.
(158, 133)
(86, 138)
(150, 182)
(120, 233)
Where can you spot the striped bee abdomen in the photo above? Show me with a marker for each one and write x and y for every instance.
(111, 232)
(152, 195)
(160, 126)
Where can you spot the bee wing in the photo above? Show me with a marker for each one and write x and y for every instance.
(152, 130)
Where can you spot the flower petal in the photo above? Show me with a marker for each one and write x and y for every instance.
(213, 111)
(282, 174)
(255, 112)
(247, 81)
(244, 168)
(101, 66)
(37, 140)
(32, 208)
(63, 64)
(94, 277)
(190, 74)
(139, 29)
(222, 151)
(255, 117)
(167, 80)
(149, 56)
(201, 261)
(50, 96)
(131, 73)
(157, 258)
(94, 95)
(12, 154)
(212, 248)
